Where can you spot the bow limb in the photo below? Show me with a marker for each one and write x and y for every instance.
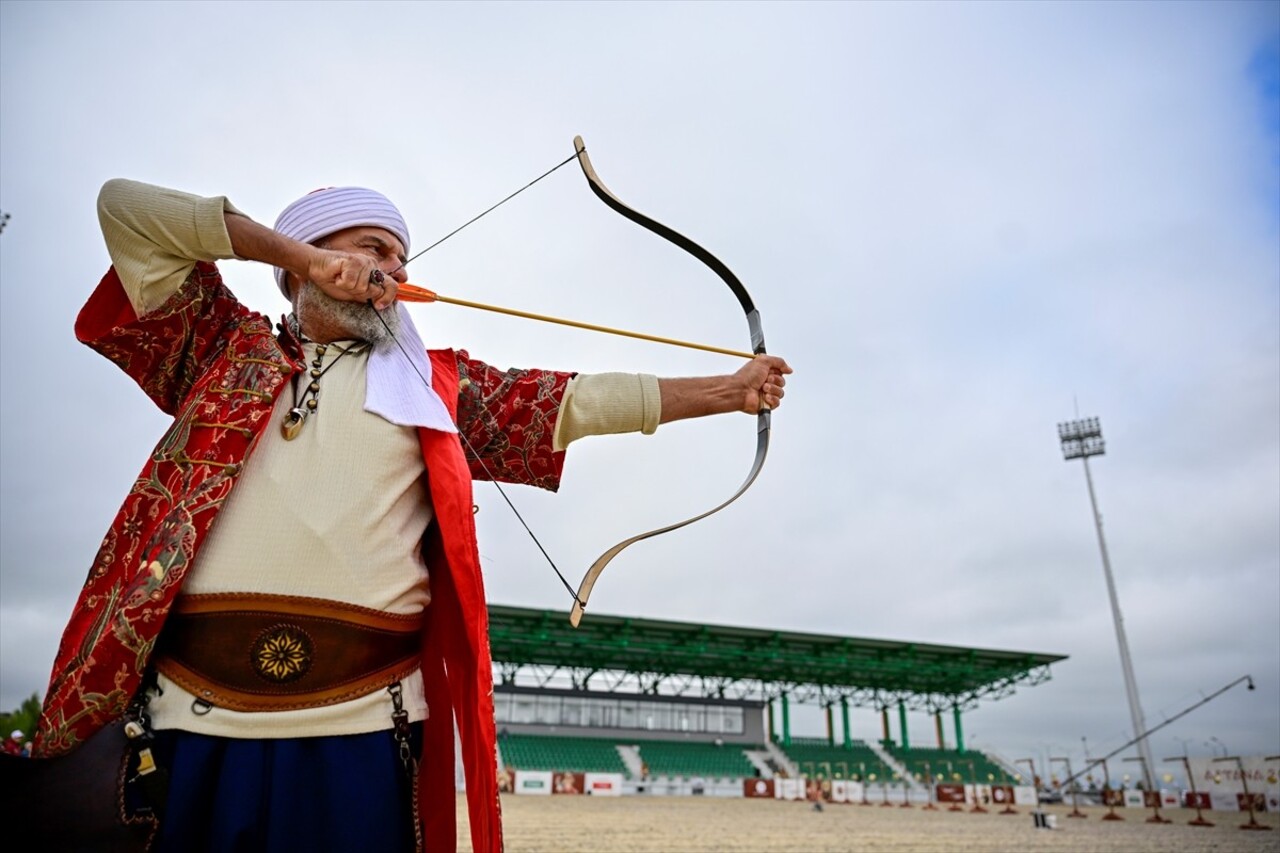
(757, 346)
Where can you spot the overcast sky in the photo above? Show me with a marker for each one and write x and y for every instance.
(962, 224)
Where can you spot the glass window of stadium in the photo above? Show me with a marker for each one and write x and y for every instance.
(611, 713)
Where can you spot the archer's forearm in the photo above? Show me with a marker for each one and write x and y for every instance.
(699, 396)
(253, 241)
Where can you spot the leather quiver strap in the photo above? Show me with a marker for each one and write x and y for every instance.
(255, 652)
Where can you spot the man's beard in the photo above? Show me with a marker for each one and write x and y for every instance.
(344, 320)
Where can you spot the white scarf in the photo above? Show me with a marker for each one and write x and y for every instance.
(398, 393)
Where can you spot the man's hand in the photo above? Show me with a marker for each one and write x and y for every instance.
(759, 384)
(342, 274)
(351, 277)
(763, 379)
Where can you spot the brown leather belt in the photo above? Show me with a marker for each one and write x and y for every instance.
(250, 652)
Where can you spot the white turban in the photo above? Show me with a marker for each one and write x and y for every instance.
(328, 211)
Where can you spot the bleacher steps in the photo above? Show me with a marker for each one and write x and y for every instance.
(631, 758)
(896, 766)
(781, 760)
(760, 759)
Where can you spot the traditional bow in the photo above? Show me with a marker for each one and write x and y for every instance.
(757, 347)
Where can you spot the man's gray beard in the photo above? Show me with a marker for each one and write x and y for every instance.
(355, 321)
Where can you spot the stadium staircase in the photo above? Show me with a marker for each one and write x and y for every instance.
(631, 757)
(760, 759)
(780, 761)
(895, 765)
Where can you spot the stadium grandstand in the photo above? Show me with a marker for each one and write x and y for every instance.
(677, 707)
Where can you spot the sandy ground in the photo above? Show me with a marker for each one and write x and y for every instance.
(615, 824)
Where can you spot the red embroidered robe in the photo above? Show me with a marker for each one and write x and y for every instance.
(217, 367)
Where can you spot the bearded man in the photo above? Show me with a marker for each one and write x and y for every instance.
(303, 661)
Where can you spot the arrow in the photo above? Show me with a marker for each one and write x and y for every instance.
(414, 293)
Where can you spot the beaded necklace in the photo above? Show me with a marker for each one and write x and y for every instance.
(304, 407)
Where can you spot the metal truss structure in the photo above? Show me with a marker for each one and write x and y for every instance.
(619, 654)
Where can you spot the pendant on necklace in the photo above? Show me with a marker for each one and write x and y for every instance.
(293, 423)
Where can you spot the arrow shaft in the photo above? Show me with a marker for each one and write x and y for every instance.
(592, 327)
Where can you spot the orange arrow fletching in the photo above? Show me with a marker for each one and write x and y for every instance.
(413, 293)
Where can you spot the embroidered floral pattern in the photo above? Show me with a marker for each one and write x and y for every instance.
(508, 421)
(282, 653)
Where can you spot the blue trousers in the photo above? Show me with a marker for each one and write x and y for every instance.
(342, 793)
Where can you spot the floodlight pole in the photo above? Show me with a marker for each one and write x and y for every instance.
(1080, 440)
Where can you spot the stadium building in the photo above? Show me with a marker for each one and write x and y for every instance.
(625, 705)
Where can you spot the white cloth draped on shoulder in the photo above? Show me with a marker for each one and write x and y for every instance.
(399, 382)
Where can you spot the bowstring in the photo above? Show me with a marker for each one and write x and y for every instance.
(427, 384)
(475, 455)
(406, 263)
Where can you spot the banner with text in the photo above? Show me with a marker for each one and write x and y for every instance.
(604, 784)
(1224, 780)
(533, 782)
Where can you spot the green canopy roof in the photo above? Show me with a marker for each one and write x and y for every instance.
(716, 660)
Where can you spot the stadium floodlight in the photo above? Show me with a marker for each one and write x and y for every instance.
(1080, 440)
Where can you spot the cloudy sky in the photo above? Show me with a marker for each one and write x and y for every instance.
(962, 223)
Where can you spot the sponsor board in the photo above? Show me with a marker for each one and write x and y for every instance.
(1197, 800)
(568, 782)
(1259, 801)
(1223, 780)
(1002, 795)
(948, 793)
(758, 788)
(536, 782)
(1133, 799)
(1025, 795)
(1223, 802)
(604, 784)
(789, 789)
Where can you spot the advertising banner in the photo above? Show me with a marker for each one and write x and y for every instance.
(1002, 795)
(950, 793)
(1112, 797)
(1223, 780)
(839, 793)
(789, 789)
(1197, 800)
(569, 782)
(1025, 795)
(1221, 802)
(1259, 802)
(604, 784)
(758, 788)
(855, 792)
(1133, 799)
(536, 782)
(1168, 798)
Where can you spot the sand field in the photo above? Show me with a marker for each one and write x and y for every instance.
(616, 824)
